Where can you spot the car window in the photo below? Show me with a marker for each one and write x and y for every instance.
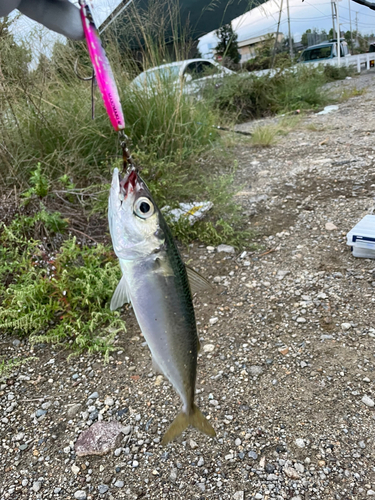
(200, 69)
(157, 74)
(318, 53)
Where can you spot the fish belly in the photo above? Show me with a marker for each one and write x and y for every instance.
(166, 317)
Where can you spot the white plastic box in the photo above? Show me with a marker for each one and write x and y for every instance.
(361, 238)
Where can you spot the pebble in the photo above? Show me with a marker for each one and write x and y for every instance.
(345, 326)
(135, 463)
(118, 452)
(200, 462)
(119, 484)
(73, 410)
(94, 395)
(213, 321)
(330, 226)
(225, 248)
(252, 455)
(173, 475)
(56, 490)
(103, 488)
(239, 495)
(300, 443)
(238, 442)
(75, 469)
(25, 482)
(80, 495)
(255, 370)
(368, 401)
(208, 347)
(201, 486)
(193, 444)
(36, 486)
(109, 401)
(40, 413)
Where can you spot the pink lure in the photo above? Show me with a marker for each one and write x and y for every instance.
(103, 72)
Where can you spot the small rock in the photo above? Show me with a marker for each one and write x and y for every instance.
(193, 444)
(239, 495)
(368, 401)
(16, 342)
(119, 484)
(109, 401)
(75, 469)
(370, 493)
(210, 249)
(40, 413)
(25, 482)
(80, 495)
(99, 439)
(73, 410)
(362, 445)
(46, 405)
(301, 319)
(303, 364)
(345, 326)
(280, 275)
(118, 452)
(330, 226)
(300, 443)
(225, 248)
(252, 455)
(173, 475)
(56, 490)
(237, 442)
(36, 486)
(213, 321)
(290, 472)
(299, 467)
(94, 395)
(135, 463)
(208, 347)
(102, 488)
(284, 350)
(201, 486)
(255, 370)
(200, 462)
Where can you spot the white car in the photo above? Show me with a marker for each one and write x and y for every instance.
(191, 74)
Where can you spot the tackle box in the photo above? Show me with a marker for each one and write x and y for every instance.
(361, 238)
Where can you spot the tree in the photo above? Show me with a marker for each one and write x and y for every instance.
(227, 46)
(14, 57)
(304, 40)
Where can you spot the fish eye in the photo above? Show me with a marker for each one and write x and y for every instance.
(144, 208)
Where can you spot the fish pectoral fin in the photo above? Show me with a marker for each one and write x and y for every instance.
(182, 421)
(197, 282)
(120, 297)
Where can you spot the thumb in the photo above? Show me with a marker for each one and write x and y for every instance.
(57, 15)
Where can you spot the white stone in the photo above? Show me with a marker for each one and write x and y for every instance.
(75, 469)
(208, 347)
(368, 401)
(345, 326)
(330, 226)
(300, 443)
(213, 321)
(225, 248)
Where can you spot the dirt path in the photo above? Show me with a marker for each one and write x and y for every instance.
(288, 341)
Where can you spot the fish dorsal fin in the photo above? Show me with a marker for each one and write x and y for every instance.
(120, 297)
(197, 282)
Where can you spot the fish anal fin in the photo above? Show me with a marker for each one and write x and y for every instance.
(197, 282)
(120, 296)
(182, 421)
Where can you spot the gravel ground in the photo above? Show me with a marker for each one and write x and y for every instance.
(286, 372)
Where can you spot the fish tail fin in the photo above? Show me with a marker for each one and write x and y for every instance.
(182, 421)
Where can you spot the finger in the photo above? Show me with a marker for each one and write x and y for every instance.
(57, 15)
(6, 6)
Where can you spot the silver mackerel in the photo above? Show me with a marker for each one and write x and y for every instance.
(155, 281)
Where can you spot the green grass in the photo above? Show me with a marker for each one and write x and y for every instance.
(59, 298)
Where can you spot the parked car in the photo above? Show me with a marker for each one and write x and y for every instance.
(191, 74)
(324, 51)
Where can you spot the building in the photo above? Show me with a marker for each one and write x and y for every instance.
(248, 48)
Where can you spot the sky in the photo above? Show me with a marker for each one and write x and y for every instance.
(259, 21)
(303, 15)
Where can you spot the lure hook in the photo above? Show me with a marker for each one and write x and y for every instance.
(85, 79)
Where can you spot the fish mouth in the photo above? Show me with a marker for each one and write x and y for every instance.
(128, 183)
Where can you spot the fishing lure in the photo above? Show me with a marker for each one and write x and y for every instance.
(102, 69)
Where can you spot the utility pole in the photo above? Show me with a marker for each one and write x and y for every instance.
(333, 18)
(356, 27)
(289, 34)
(338, 35)
(351, 31)
(277, 35)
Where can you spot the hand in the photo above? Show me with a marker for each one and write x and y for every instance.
(57, 15)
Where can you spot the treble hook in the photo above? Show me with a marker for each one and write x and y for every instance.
(86, 79)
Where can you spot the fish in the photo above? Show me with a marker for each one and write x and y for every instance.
(159, 287)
